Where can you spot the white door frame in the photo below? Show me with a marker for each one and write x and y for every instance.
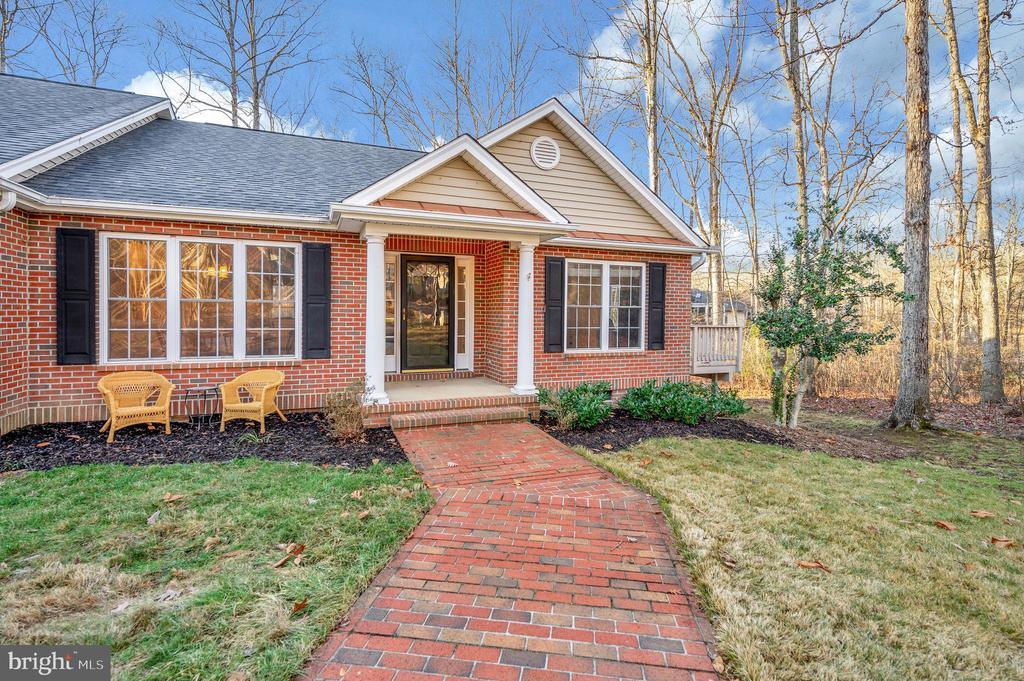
(463, 361)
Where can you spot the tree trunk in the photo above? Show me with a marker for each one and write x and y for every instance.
(912, 407)
(651, 46)
(991, 359)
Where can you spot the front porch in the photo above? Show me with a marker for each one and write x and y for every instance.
(417, 403)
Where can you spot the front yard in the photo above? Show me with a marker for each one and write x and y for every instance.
(174, 566)
(896, 595)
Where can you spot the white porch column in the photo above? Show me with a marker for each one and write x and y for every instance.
(375, 392)
(524, 346)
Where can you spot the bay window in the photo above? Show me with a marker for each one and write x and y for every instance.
(604, 306)
(179, 298)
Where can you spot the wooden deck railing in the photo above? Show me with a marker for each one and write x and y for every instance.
(717, 349)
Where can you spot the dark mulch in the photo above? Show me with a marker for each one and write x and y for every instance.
(622, 431)
(302, 438)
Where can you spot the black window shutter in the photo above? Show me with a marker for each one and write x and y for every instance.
(554, 304)
(76, 296)
(656, 306)
(316, 301)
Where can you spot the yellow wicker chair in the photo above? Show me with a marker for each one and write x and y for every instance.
(261, 389)
(130, 400)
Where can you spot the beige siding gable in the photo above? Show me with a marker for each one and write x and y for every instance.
(456, 183)
(577, 187)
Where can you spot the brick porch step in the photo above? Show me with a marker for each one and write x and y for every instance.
(448, 417)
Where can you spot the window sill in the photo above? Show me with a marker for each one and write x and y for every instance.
(164, 365)
(612, 352)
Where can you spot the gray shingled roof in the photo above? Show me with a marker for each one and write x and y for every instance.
(201, 165)
(37, 113)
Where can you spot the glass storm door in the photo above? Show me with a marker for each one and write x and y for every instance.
(427, 312)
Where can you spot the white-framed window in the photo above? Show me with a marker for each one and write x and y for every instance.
(197, 299)
(604, 306)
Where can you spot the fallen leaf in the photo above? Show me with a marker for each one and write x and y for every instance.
(968, 566)
(813, 564)
(299, 606)
(171, 498)
(1003, 542)
(151, 520)
(452, 464)
(983, 514)
(949, 527)
(42, 444)
(168, 595)
(238, 676)
(631, 539)
(358, 494)
(645, 463)
(608, 446)
(667, 454)
(389, 470)
(363, 515)
(232, 554)
(210, 543)
(719, 664)
(517, 482)
(121, 607)
(375, 461)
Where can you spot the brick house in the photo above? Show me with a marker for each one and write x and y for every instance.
(530, 256)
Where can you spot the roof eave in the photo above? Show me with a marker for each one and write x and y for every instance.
(400, 216)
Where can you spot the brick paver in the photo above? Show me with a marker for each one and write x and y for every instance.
(534, 565)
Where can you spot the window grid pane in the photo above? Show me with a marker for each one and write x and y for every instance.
(270, 301)
(460, 309)
(583, 306)
(136, 299)
(625, 305)
(390, 287)
(207, 307)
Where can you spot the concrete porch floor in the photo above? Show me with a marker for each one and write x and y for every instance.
(447, 389)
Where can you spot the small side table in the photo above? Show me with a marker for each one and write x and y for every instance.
(201, 404)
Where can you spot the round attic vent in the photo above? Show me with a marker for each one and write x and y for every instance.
(545, 153)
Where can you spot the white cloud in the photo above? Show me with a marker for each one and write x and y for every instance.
(198, 98)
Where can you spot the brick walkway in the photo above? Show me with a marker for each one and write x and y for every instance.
(533, 566)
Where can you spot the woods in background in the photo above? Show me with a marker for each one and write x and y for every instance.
(750, 119)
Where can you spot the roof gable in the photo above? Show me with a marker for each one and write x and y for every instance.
(618, 207)
(460, 173)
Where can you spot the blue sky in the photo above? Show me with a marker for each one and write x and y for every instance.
(409, 29)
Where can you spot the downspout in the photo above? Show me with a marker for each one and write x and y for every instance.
(698, 261)
(7, 200)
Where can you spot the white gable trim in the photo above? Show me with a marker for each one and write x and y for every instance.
(46, 158)
(479, 158)
(605, 159)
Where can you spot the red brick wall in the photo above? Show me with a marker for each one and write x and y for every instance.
(33, 388)
(69, 392)
(14, 321)
(623, 368)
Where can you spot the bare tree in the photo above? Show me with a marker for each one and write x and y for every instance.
(237, 55)
(82, 36)
(474, 87)
(704, 78)
(635, 69)
(977, 107)
(26, 17)
(911, 408)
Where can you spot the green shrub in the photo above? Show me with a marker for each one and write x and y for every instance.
(581, 406)
(690, 403)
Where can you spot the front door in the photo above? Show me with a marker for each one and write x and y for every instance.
(428, 308)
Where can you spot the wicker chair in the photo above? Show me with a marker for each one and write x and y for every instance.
(130, 400)
(252, 395)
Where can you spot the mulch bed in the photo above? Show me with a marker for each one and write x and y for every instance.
(302, 438)
(622, 431)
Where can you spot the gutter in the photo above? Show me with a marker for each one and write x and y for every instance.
(633, 246)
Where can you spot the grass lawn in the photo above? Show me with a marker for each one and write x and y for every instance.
(191, 580)
(905, 599)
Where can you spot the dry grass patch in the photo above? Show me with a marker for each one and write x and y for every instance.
(173, 566)
(900, 598)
